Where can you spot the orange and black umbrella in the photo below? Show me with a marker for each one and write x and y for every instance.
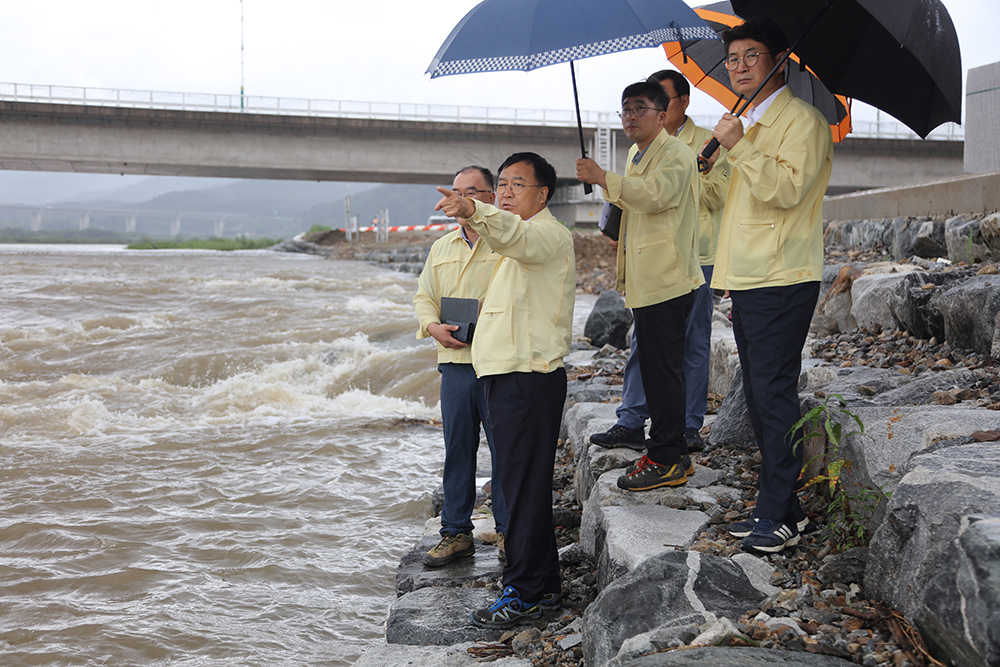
(702, 62)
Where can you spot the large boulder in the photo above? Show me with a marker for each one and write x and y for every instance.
(909, 302)
(968, 310)
(678, 588)
(965, 241)
(903, 233)
(483, 568)
(621, 529)
(863, 233)
(732, 422)
(870, 295)
(833, 312)
(989, 227)
(388, 655)
(929, 241)
(438, 616)
(937, 554)
(892, 434)
(609, 321)
(723, 656)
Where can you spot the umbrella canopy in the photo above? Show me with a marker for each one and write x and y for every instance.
(504, 35)
(900, 56)
(702, 62)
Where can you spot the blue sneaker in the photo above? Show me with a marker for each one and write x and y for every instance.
(745, 527)
(509, 610)
(770, 536)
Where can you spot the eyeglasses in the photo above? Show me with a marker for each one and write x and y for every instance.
(638, 112)
(749, 59)
(516, 188)
(470, 192)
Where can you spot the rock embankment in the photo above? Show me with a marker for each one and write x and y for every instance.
(653, 579)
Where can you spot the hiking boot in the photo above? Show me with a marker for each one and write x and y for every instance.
(686, 463)
(550, 600)
(509, 610)
(770, 537)
(621, 436)
(745, 527)
(647, 474)
(449, 548)
(694, 441)
(502, 548)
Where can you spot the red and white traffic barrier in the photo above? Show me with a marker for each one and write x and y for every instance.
(409, 228)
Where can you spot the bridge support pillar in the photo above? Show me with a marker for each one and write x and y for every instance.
(175, 226)
(130, 222)
(220, 228)
(36, 221)
(573, 208)
(84, 221)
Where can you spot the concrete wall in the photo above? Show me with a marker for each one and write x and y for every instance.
(979, 193)
(982, 119)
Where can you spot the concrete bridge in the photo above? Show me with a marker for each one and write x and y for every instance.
(137, 134)
(37, 215)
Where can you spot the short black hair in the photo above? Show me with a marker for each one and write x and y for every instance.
(760, 30)
(545, 173)
(486, 173)
(651, 90)
(681, 85)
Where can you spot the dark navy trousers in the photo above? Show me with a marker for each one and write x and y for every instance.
(463, 409)
(770, 326)
(525, 413)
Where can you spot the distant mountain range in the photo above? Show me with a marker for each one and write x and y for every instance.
(282, 206)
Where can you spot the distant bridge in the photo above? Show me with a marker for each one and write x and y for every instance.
(37, 215)
(94, 130)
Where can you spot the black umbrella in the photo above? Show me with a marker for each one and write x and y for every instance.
(703, 63)
(900, 56)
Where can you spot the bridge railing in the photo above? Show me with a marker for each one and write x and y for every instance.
(296, 106)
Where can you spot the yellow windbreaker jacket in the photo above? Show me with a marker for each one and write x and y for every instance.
(526, 323)
(658, 259)
(772, 226)
(452, 269)
(713, 191)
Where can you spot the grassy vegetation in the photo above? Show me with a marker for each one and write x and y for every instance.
(213, 243)
(320, 228)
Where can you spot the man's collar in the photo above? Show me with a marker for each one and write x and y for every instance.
(755, 113)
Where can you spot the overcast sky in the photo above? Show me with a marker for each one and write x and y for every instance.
(367, 50)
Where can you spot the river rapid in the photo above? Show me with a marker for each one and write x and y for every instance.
(206, 458)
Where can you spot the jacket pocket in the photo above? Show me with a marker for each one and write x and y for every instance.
(756, 248)
(657, 266)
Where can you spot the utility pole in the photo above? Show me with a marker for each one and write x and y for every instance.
(241, 55)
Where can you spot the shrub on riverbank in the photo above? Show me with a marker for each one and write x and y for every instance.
(238, 243)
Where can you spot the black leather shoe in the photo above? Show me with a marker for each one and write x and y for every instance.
(621, 436)
(694, 441)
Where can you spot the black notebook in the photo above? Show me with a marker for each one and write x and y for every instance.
(611, 220)
(464, 313)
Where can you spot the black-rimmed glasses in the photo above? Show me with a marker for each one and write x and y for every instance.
(749, 59)
(638, 112)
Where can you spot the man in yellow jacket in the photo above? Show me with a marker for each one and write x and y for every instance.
(658, 270)
(524, 332)
(770, 259)
(629, 431)
(460, 265)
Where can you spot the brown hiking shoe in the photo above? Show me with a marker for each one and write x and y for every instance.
(449, 548)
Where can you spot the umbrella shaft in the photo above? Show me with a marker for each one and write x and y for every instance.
(587, 187)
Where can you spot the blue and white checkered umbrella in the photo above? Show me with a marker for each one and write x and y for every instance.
(505, 35)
